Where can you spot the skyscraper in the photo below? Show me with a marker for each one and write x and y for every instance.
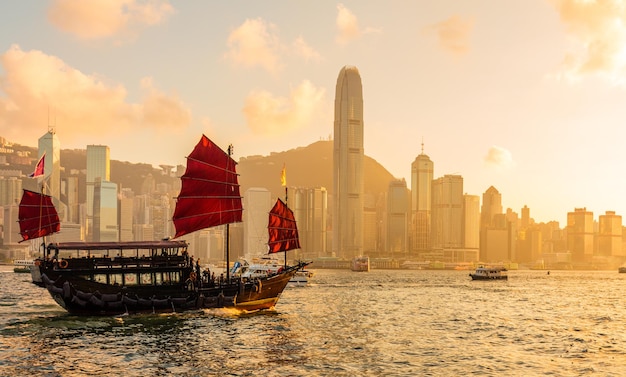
(397, 218)
(98, 166)
(447, 218)
(421, 201)
(257, 202)
(348, 165)
(50, 145)
(580, 235)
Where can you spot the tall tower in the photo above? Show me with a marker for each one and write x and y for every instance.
(50, 145)
(98, 166)
(348, 165)
(421, 201)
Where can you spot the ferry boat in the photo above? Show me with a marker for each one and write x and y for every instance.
(22, 266)
(112, 278)
(361, 264)
(489, 273)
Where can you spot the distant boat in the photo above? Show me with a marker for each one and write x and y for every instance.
(489, 273)
(361, 264)
(301, 278)
(112, 278)
(22, 266)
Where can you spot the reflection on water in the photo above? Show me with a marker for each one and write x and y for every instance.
(398, 323)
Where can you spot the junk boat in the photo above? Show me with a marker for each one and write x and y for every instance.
(489, 273)
(113, 278)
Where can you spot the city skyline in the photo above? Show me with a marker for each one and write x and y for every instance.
(535, 112)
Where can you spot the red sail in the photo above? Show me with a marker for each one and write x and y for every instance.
(37, 216)
(282, 228)
(210, 190)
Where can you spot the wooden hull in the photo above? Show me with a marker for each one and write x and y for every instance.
(85, 297)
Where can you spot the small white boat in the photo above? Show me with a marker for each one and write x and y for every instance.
(489, 273)
(301, 278)
(257, 268)
(23, 265)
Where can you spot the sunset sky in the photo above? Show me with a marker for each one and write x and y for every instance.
(528, 96)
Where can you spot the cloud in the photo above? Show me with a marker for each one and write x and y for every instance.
(162, 110)
(499, 157)
(301, 48)
(97, 19)
(347, 25)
(37, 85)
(267, 114)
(452, 34)
(598, 29)
(348, 28)
(255, 43)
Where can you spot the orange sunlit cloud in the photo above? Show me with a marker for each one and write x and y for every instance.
(453, 34)
(255, 43)
(269, 115)
(499, 157)
(36, 85)
(599, 31)
(348, 28)
(96, 19)
(301, 48)
(347, 25)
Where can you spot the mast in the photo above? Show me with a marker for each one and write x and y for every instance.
(227, 251)
(283, 181)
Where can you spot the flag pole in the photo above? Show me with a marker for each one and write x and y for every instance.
(283, 181)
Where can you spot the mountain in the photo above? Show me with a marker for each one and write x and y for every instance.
(310, 166)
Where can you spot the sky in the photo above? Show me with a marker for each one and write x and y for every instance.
(527, 96)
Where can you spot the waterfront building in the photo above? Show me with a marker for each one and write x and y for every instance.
(105, 225)
(447, 212)
(471, 222)
(50, 145)
(610, 235)
(348, 155)
(310, 208)
(421, 200)
(580, 235)
(98, 167)
(10, 191)
(397, 219)
(257, 203)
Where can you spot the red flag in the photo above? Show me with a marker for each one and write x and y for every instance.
(39, 169)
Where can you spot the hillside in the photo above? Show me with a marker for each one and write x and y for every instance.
(309, 166)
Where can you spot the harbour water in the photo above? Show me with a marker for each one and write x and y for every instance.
(381, 323)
